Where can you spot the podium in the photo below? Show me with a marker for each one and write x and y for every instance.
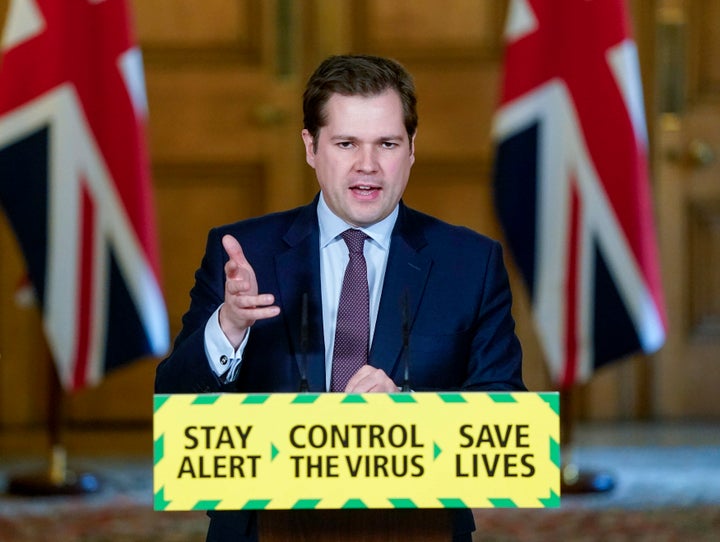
(365, 467)
(383, 525)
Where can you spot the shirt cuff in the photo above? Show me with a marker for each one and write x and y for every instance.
(224, 360)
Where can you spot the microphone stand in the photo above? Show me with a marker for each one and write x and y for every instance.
(406, 344)
(304, 386)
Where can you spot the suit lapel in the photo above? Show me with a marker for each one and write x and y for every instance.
(405, 279)
(298, 272)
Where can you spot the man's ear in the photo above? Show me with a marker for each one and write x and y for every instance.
(412, 148)
(309, 143)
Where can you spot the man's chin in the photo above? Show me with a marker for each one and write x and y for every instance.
(363, 220)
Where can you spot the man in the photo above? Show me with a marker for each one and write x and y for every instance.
(443, 287)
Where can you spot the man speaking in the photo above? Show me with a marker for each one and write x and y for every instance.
(354, 292)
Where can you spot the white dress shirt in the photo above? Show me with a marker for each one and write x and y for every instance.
(225, 360)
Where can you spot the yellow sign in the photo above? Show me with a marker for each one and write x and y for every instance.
(336, 450)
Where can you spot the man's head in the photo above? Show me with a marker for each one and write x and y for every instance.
(357, 75)
(359, 135)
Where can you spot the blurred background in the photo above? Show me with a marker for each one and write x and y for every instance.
(224, 80)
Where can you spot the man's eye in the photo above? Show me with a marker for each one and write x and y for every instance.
(345, 144)
(389, 144)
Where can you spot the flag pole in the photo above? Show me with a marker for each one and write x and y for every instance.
(56, 479)
(573, 479)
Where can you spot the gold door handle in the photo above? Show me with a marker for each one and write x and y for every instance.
(698, 154)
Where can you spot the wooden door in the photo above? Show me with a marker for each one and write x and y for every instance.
(687, 374)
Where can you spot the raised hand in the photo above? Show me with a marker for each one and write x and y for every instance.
(243, 304)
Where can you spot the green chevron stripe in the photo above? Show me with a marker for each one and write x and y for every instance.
(159, 502)
(354, 503)
(306, 504)
(205, 399)
(555, 452)
(553, 501)
(453, 503)
(305, 398)
(256, 504)
(436, 451)
(502, 397)
(159, 401)
(402, 503)
(353, 398)
(452, 397)
(553, 400)
(503, 503)
(255, 399)
(206, 505)
(159, 449)
(402, 398)
(273, 452)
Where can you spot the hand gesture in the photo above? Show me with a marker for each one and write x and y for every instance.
(370, 379)
(243, 305)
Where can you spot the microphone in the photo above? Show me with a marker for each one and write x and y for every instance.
(304, 344)
(406, 342)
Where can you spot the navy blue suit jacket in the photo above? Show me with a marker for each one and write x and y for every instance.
(461, 331)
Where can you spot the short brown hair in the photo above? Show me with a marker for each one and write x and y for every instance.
(357, 75)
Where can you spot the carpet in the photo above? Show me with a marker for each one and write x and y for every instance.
(132, 523)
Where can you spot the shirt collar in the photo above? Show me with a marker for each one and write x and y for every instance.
(331, 226)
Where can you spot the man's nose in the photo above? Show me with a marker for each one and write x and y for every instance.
(367, 159)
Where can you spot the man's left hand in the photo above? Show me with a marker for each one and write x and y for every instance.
(370, 379)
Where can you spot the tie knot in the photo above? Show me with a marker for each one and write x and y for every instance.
(355, 240)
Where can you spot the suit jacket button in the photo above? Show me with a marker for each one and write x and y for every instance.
(223, 360)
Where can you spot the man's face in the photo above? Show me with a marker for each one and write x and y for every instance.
(363, 156)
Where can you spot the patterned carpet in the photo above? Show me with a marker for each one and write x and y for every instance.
(666, 489)
(132, 523)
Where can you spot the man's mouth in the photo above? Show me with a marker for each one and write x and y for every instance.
(364, 189)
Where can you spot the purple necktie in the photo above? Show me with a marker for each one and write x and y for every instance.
(352, 332)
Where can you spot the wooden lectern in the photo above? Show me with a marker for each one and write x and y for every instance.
(379, 525)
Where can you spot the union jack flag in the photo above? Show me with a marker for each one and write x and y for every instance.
(75, 184)
(571, 183)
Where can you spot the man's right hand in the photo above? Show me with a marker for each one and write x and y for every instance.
(243, 305)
